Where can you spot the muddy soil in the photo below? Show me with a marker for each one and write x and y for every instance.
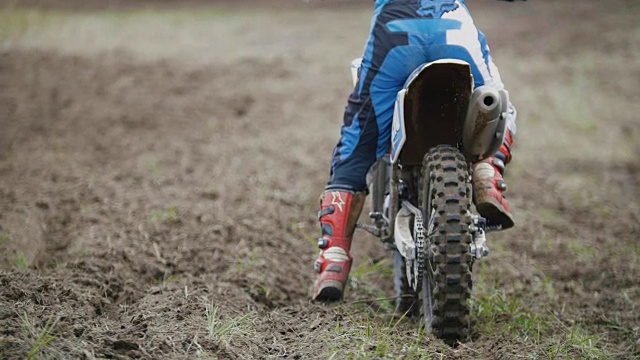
(141, 196)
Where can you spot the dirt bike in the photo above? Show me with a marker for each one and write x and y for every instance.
(421, 194)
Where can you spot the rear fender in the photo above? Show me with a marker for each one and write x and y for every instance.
(430, 109)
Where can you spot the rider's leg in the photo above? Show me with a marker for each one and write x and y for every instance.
(339, 212)
(469, 44)
(365, 137)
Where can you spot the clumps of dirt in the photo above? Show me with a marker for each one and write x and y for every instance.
(22, 238)
(31, 302)
(137, 238)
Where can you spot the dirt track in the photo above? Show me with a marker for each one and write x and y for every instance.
(160, 167)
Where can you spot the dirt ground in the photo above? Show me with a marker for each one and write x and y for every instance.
(160, 166)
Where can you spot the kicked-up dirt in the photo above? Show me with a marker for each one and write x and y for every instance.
(160, 166)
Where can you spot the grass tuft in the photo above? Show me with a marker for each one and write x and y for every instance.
(366, 335)
(222, 330)
(21, 261)
(509, 317)
(4, 239)
(363, 280)
(250, 261)
(168, 215)
(41, 338)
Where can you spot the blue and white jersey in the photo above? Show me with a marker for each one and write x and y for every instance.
(436, 22)
(404, 34)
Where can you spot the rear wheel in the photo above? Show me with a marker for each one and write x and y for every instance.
(444, 198)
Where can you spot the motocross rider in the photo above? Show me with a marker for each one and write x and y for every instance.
(404, 34)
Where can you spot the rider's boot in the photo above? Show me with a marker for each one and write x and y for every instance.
(489, 186)
(339, 212)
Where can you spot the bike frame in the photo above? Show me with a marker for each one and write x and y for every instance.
(477, 127)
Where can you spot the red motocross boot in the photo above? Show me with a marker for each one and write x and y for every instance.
(488, 186)
(339, 212)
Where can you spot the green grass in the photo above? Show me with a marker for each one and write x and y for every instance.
(40, 338)
(498, 313)
(579, 249)
(363, 279)
(223, 329)
(250, 261)
(20, 261)
(575, 341)
(4, 239)
(168, 280)
(530, 317)
(106, 29)
(366, 335)
(154, 170)
(168, 215)
(510, 317)
(365, 269)
(16, 22)
(368, 329)
(371, 332)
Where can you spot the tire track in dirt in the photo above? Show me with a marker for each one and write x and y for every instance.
(158, 197)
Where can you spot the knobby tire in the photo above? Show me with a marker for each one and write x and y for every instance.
(444, 297)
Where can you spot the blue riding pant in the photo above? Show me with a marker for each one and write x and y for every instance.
(404, 34)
